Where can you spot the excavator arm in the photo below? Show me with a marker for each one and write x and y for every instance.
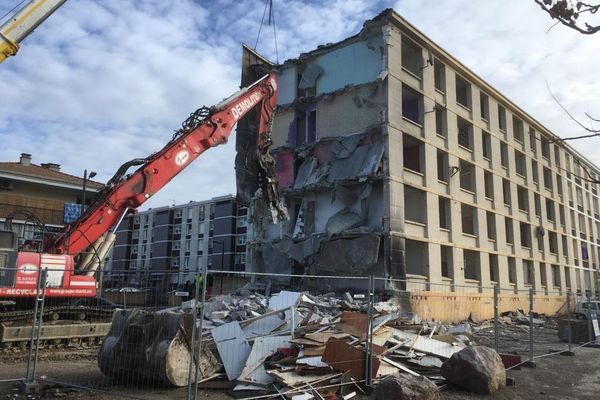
(24, 20)
(205, 128)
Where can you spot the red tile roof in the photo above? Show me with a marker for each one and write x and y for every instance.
(37, 171)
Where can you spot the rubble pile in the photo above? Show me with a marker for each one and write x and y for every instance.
(303, 346)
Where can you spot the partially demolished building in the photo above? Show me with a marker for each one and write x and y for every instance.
(398, 161)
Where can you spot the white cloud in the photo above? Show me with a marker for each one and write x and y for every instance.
(102, 82)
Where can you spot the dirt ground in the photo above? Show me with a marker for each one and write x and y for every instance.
(555, 377)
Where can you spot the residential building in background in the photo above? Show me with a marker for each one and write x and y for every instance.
(398, 161)
(43, 191)
(166, 247)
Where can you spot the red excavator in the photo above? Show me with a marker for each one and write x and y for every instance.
(90, 237)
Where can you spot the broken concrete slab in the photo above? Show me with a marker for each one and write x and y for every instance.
(417, 342)
(478, 369)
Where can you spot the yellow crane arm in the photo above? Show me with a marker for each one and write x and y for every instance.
(22, 22)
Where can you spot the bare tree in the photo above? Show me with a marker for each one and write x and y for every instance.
(576, 15)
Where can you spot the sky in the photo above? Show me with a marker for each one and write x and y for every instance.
(101, 82)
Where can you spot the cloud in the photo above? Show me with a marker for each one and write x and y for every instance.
(101, 82)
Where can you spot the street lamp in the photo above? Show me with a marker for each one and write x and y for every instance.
(86, 177)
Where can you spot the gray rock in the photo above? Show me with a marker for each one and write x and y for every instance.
(406, 387)
(478, 369)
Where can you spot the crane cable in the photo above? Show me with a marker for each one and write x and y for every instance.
(271, 20)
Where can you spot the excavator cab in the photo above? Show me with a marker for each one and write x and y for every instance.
(8, 258)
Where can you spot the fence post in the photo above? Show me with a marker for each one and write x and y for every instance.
(589, 318)
(530, 363)
(30, 384)
(496, 316)
(193, 343)
(369, 341)
(200, 326)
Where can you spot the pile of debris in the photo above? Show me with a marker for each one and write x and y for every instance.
(304, 346)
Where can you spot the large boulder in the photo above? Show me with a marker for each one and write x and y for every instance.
(478, 369)
(406, 387)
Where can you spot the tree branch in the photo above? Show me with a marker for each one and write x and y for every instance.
(568, 14)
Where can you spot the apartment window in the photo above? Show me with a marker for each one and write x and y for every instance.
(559, 186)
(176, 245)
(557, 155)
(490, 218)
(442, 166)
(465, 133)
(188, 230)
(467, 176)
(550, 212)
(177, 229)
(506, 192)
(523, 198)
(539, 233)
(532, 140)
(444, 210)
(556, 275)
(518, 130)
(488, 181)
(579, 197)
(200, 244)
(178, 213)
(412, 105)
(188, 245)
(306, 128)
(561, 214)
(446, 261)
(525, 231)
(543, 276)
(411, 56)
(528, 277)
(413, 205)
(538, 204)
(504, 154)
(186, 263)
(493, 262)
(501, 118)
(486, 141)
(471, 261)
(241, 240)
(201, 228)
(413, 153)
(242, 221)
(520, 165)
(545, 147)
(534, 171)
(547, 178)
(441, 125)
(553, 242)
(416, 258)
(484, 105)
(190, 213)
(508, 226)
(463, 92)
(469, 219)
(439, 74)
(512, 270)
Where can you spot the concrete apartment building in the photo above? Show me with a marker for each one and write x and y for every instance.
(166, 247)
(54, 197)
(398, 161)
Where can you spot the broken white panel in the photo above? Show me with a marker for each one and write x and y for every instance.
(286, 299)
(420, 343)
(254, 372)
(312, 361)
(303, 396)
(265, 325)
(233, 348)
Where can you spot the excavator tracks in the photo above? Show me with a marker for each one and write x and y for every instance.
(63, 327)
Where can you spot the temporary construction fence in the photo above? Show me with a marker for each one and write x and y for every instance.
(274, 335)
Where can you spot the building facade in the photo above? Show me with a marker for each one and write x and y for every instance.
(42, 193)
(166, 247)
(398, 161)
